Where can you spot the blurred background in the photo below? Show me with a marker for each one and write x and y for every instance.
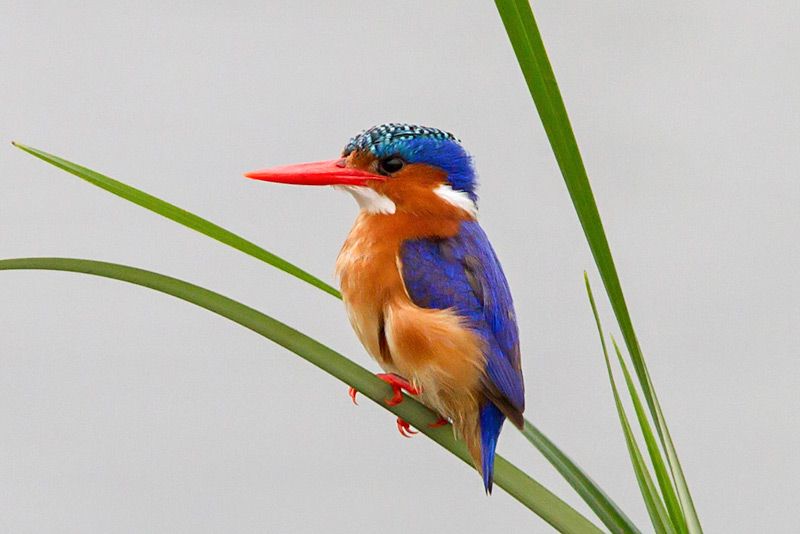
(126, 410)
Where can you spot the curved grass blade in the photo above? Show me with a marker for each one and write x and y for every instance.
(596, 498)
(529, 48)
(181, 216)
(601, 504)
(658, 513)
(527, 491)
(662, 475)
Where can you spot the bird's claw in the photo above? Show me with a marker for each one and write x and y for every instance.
(398, 384)
(439, 422)
(405, 428)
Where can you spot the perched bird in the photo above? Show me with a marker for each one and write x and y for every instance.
(422, 286)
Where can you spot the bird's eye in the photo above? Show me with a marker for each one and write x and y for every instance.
(390, 165)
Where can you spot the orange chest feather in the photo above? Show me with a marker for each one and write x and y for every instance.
(434, 349)
(369, 269)
(368, 265)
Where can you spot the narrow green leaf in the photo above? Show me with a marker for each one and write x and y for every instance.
(181, 216)
(658, 513)
(530, 493)
(685, 498)
(529, 48)
(601, 504)
(599, 501)
(662, 475)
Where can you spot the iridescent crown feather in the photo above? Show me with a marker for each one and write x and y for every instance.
(420, 144)
(378, 137)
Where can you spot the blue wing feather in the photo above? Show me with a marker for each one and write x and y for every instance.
(463, 273)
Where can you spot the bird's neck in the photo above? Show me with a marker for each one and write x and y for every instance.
(379, 233)
(402, 226)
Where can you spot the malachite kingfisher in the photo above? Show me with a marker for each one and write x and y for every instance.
(422, 286)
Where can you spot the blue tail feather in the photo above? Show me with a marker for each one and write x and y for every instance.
(491, 422)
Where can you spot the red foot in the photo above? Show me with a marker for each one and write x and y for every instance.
(403, 427)
(398, 384)
(439, 422)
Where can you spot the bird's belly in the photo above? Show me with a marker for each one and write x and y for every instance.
(367, 323)
(369, 277)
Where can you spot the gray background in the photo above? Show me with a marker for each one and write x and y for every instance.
(126, 410)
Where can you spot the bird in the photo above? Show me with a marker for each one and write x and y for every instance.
(421, 284)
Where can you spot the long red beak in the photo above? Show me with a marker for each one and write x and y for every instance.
(318, 173)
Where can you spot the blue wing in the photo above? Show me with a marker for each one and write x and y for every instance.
(463, 273)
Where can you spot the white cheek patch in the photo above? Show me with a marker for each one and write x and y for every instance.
(369, 199)
(459, 199)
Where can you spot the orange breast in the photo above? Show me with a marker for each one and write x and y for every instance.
(368, 268)
(434, 349)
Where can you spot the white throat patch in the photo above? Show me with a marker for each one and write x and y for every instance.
(369, 199)
(459, 199)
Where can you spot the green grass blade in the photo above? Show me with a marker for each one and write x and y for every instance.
(181, 216)
(601, 504)
(658, 513)
(519, 485)
(685, 498)
(662, 475)
(656, 509)
(529, 48)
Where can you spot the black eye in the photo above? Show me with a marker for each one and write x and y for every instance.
(390, 165)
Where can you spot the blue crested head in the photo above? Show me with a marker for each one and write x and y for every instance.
(420, 144)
